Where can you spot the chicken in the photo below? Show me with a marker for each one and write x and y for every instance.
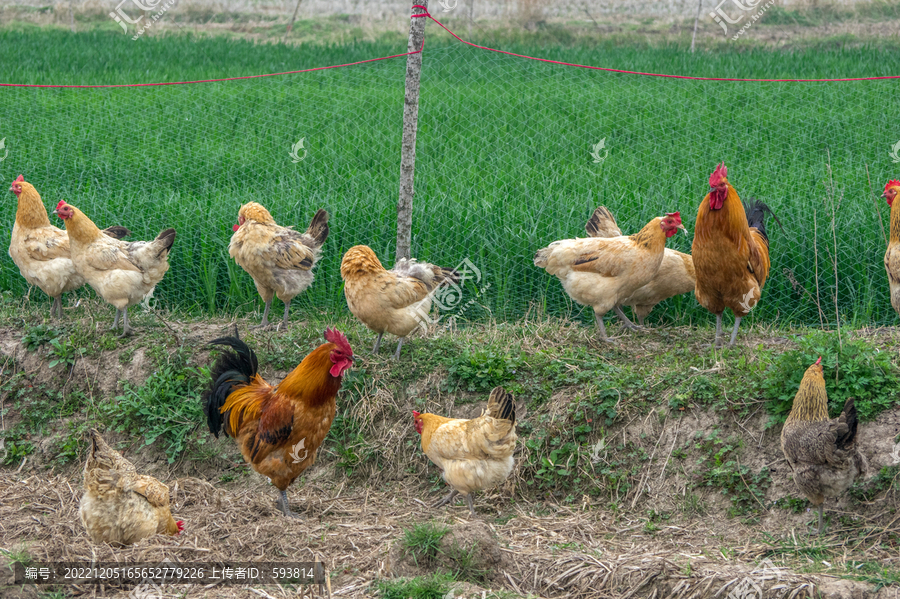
(730, 251)
(674, 277)
(278, 429)
(279, 259)
(119, 505)
(604, 272)
(472, 455)
(892, 255)
(392, 301)
(122, 273)
(821, 452)
(40, 250)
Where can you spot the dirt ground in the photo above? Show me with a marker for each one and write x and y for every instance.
(531, 546)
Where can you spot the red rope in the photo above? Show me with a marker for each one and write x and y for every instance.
(336, 66)
(583, 66)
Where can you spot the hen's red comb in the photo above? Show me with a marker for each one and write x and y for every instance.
(339, 339)
(61, 204)
(819, 361)
(416, 414)
(19, 179)
(180, 525)
(891, 183)
(675, 215)
(718, 175)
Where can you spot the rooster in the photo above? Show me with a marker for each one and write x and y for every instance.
(272, 424)
(821, 452)
(392, 301)
(472, 455)
(892, 255)
(279, 259)
(605, 272)
(121, 273)
(730, 251)
(119, 505)
(674, 277)
(40, 250)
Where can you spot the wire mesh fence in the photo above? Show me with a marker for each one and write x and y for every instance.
(512, 154)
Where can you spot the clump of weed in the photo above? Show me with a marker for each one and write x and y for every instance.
(720, 468)
(483, 369)
(885, 480)
(436, 586)
(422, 542)
(166, 407)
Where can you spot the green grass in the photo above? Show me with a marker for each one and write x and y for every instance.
(503, 164)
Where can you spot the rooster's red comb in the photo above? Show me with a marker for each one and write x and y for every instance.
(718, 175)
(20, 179)
(339, 339)
(891, 183)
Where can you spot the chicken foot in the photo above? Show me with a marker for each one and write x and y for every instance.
(285, 507)
(284, 321)
(265, 319)
(446, 499)
(126, 328)
(624, 320)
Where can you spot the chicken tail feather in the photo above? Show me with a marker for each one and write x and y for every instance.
(602, 224)
(117, 232)
(501, 405)
(756, 216)
(318, 228)
(850, 419)
(232, 370)
(164, 241)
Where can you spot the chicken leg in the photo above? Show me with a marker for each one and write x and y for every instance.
(737, 323)
(377, 343)
(265, 319)
(399, 345)
(717, 342)
(115, 320)
(126, 328)
(624, 319)
(821, 506)
(599, 320)
(285, 507)
(470, 501)
(287, 307)
(56, 308)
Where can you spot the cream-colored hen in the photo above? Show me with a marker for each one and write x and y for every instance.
(604, 272)
(674, 277)
(119, 505)
(473, 455)
(392, 301)
(122, 273)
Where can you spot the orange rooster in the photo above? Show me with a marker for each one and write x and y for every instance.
(892, 255)
(730, 251)
(821, 452)
(279, 259)
(278, 429)
(40, 250)
(674, 277)
(122, 273)
(475, 454)
(119, 505)
(604, 272)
